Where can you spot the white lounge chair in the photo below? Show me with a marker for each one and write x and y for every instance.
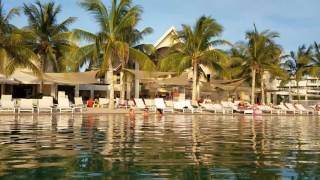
(78, 104)
(150, 104)
(293, 109)
(6, 97)
(284, 108)
(131, 104)
(45, 105)
(7, 106)
(301, 108)
(26, 105)
(64, 105)
(208, 107)
(121, 103)
(139, 103)
(228, 106)
(268, 109)
(179, 106)
(215, 108)
(159, 103)
(169, 103)
(103, 102)
(192, 108)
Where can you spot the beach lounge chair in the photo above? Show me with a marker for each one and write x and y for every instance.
(248, 111)
(121, 103)
(190, 107)
(103, 102)
(169, 103)
(178, 106)
(131, 104)
(159, 103)
(150, 104)
(269, 109)
(78, 104)
(207, 107)
(45, 105)
(6, 97)
(139, 103)
(285, 109)
(64, 105)
(7, 106)
(215, 108)
(301, 108)
(228, 107)
(292, 108)
(26, 105)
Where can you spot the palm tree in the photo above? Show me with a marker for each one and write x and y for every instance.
(315, 61)
(51, 40)
(262, 54)
(196, 46)
(116, 25)
(14, 53)
(299, 64)
(133, 37)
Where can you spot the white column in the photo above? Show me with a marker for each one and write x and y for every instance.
(76, 90)
(275, 99)
(91, 93)
(53, 90)
(136, 82)
(268, 94)
(128, 88)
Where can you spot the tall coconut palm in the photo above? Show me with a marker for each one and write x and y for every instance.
(237, 66)
(315, 61)
(14, 53)
(51, 40)
(133, 37)
(262, 53)
(116, 24)
(299, 64)
(196, 46)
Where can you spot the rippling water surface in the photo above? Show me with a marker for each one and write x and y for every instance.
(171, 147)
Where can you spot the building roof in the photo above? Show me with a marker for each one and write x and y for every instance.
(166, 39)
(148, 74)
(72, 78)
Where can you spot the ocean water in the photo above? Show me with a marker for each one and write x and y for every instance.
(170, 147)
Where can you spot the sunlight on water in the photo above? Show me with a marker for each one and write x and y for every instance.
(174, 146)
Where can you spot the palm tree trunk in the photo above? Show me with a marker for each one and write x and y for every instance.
(194, 82)
(198, 90)
(298, 92)
(290, 95)
(253, 85)
(262, 90)
(128, 88)
(109, 76)
(42, 67)
(122, 85)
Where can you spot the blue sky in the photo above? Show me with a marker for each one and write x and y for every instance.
(297, 21)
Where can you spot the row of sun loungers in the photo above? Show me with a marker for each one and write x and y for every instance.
(224, 107)
(46, 105)
(41, 105)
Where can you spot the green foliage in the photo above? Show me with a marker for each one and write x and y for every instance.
(117, 36)
(195, 46)
(50, 40)
(299, 63)
(14, 52)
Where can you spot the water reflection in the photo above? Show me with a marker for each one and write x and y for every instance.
(180, 147)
